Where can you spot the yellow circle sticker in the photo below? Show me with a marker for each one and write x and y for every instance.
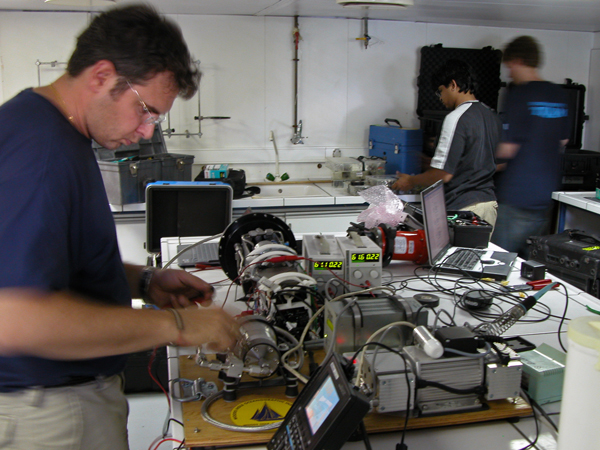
(261, 411)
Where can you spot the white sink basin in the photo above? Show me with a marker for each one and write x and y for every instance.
(290, 191)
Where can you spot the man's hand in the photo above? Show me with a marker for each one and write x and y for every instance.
(178, 289)
(211, 326)
(403, 183)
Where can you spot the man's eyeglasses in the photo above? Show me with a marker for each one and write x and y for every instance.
(438, 94)
(152, 118)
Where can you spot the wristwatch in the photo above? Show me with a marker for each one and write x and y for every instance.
(145, 278)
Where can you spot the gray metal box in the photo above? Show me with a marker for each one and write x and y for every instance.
(127, 170)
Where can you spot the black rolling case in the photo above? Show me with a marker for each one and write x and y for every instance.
(577, 117)
(571, 255)
(579, 167)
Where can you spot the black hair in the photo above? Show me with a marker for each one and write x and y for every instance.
(141, 44)
(460, 72)
(524, 48)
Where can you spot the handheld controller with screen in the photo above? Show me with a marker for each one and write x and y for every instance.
(324, 415)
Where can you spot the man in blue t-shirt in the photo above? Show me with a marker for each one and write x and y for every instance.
(66, 321)
(536, 129)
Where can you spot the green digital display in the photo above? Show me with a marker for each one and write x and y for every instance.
(327, 265)
(365, 257)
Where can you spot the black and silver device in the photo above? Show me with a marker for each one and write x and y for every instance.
(325, 414)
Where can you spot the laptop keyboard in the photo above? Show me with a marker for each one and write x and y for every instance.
(464, 259)
(207, 253)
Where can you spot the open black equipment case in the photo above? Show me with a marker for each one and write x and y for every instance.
(484, 62)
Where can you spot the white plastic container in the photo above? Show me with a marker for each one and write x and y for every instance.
(578, 426)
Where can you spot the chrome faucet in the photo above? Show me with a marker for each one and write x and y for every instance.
(297, 137)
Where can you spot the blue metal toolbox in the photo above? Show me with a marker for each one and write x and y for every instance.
(401, 147)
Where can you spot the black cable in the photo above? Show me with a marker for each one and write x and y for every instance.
(537, 406)
(537, 427)
(479, 390)
(406, 366)
(563, 319)
(363, 431)
(173, 420)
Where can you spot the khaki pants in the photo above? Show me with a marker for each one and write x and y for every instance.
(488, 211)
(90, 416)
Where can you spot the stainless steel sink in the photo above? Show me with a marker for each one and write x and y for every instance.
(290, 191)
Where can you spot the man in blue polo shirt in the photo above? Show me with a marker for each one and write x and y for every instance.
(536, 129)
(66, 321)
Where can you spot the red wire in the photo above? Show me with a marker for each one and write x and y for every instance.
(166, 440)
(152, 357)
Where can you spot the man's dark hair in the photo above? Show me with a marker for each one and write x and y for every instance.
(457, 70)
(141, 44)
(524, 48)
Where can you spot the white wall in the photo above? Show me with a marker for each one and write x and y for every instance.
(592, 134)
(248, 75)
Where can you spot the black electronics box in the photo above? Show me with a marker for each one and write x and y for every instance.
(468, 230)
(572, 255)
(457, 338)
(580, 168)
(138, 369)
(127, 170)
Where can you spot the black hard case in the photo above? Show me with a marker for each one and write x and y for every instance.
(484, 62)
(127, 170)
(577, 116)
(184, 209)
(572, 255)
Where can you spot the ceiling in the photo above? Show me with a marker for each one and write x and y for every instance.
(568, 15)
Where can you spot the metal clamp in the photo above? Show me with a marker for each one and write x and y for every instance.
(186, 390)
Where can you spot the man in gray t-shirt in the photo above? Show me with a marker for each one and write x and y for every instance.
(464, 155)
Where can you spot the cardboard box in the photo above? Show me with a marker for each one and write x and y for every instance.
(216, 171)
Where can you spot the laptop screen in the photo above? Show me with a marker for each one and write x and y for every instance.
(435, 221)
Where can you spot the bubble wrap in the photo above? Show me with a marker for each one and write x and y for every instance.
(384, 207)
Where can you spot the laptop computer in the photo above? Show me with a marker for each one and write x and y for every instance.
(445, 258)
(182, 209)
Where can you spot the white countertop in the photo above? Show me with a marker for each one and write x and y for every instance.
(330, 196)
(584, 200)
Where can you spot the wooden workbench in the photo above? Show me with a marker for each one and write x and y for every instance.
(200, 434)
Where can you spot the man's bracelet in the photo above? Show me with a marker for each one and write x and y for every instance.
(145, 278)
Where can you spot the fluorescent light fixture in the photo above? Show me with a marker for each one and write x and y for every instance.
(376, 3)
(87, 3)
